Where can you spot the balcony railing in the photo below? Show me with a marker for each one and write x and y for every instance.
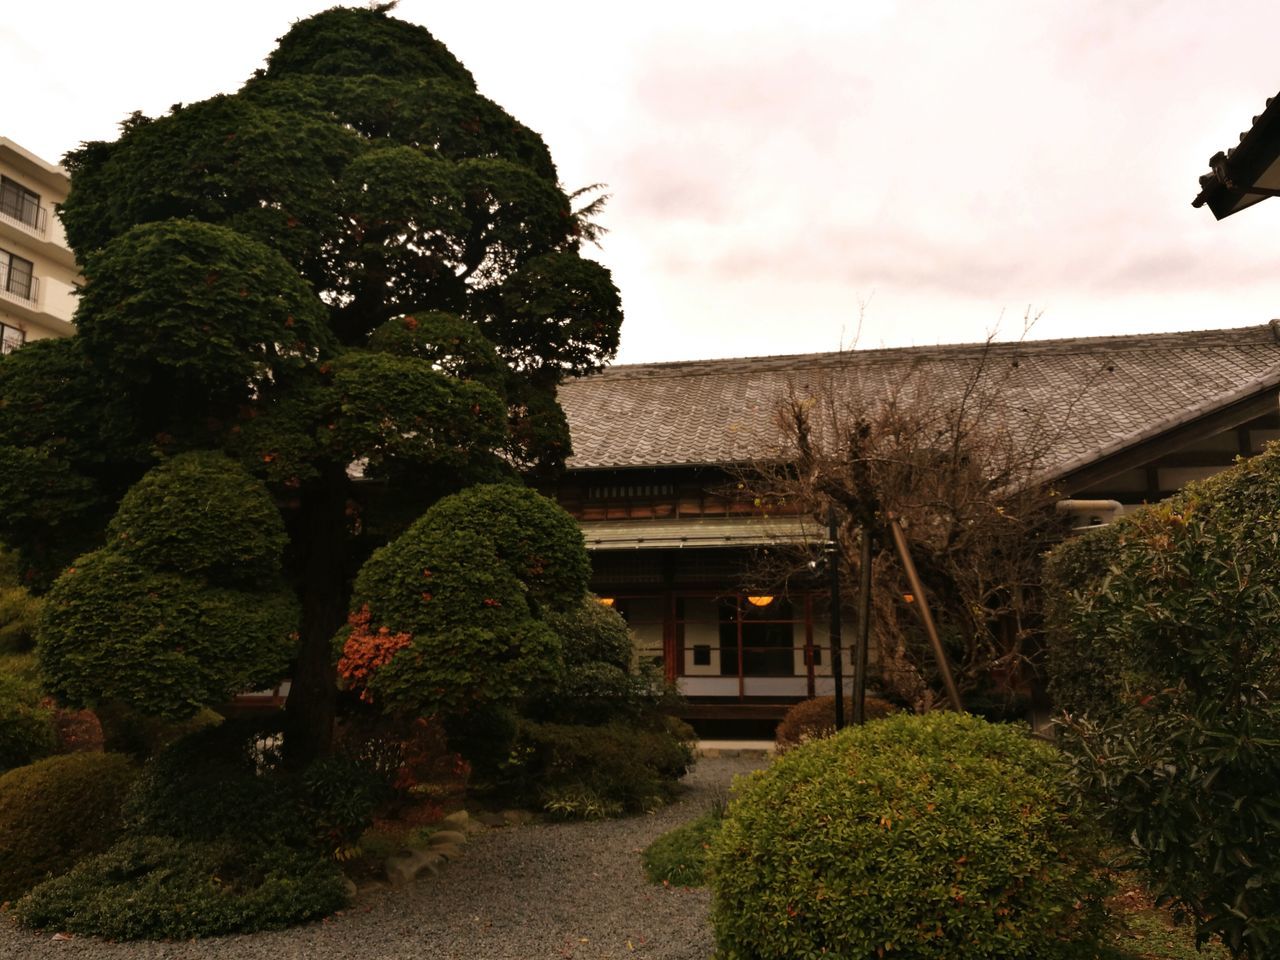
(23, 211)
(19, 285)
(11, 338)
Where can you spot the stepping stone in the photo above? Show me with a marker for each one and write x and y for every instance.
(450, 851)
(490, 819)
(403, 868)
(458, 820)
(441, 837)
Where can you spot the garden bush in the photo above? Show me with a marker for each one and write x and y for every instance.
(55, 812)
(27, 728)
(936, 836)
(162, 888)
(1164, 651)
(816, 718)
(590, 772)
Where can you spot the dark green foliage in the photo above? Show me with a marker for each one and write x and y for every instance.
(598, 682)
(57, 811)
(922, 836)
(538, 541)
(679, 856)
(354, 42)
(160, 888)
(339, 797)
(218, 783)
(200, 514)
(27, 730)
(248, 258)
(400, 410)
(1164, 652)
(466, 586)
(19, 615)
(816, 718)
(159, 642)
(142, 736)
(590, 772)
(197, 314)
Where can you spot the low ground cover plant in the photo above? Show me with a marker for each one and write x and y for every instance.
(679, 857)
(216, 839)
(936, 836)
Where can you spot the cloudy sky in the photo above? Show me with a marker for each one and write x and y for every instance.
(790, 177)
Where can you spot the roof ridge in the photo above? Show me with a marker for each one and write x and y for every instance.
(1269, 332)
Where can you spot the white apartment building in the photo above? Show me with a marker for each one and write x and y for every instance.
(38, 271)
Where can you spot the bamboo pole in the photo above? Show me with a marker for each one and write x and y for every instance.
(917, 588)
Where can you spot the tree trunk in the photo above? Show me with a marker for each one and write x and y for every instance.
(309, 711)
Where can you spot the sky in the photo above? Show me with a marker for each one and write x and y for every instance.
(803, 176)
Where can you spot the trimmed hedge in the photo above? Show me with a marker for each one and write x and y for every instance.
(1164, 650)
(937, 836)
(57, 811)
(679, 856)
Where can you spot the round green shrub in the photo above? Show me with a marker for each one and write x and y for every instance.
(201, 514)
(679, 856)
(816, 718)
(57, 811)
(19, 615)
(162, 643)
(937, 836)
(592, 633)
(162, 888)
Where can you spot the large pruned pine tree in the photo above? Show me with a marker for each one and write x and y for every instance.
(357, 276)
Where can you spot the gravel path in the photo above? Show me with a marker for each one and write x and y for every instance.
(518, 893)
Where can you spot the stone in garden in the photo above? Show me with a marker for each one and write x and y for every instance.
(441, 837)
(458, 820)
(490, 819)
(403, 868)
(450, 851)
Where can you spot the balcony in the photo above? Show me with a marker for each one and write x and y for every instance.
(22, 209)
(19, 286)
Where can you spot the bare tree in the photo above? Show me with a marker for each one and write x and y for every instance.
(957, 452)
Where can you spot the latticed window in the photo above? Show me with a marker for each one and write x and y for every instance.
(21, 204)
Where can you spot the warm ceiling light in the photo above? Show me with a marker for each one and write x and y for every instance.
(759, 601)
(607, 601)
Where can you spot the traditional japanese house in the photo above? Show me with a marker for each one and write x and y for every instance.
(658, 450)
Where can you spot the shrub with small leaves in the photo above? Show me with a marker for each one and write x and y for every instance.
(57, 811)
(1163, 651)
(938, 836)
(162, 888)
(679, 857)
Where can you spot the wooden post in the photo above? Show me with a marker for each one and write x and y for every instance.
(832, 550)
(864, 632)
(917, 588)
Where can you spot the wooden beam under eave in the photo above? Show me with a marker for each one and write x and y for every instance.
(1143, 452)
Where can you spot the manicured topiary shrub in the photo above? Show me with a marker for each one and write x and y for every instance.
(937, 836)
(450, 615)
(161, 888)
(201, 514)
(184, 606)
(816, 718)
(57, 811)
(1164, 650)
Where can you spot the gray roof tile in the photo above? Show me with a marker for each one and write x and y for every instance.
(1120, 390)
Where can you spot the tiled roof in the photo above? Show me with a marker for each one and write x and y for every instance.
(1232, 170)
(1114, 391)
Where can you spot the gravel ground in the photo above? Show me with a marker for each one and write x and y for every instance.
(518, 893)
